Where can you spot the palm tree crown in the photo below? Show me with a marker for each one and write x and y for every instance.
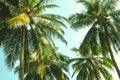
(40, 28)
(91, 67)
(27, 28)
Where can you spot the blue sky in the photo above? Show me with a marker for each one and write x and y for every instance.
(67, 7)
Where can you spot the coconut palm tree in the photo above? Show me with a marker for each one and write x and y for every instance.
(27, 29)
(91, 67)
(103, 18)
(47, 65)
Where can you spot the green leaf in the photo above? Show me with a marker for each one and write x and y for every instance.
(33, 3)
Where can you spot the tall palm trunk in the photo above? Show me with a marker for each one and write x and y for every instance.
(22, 53)
(111, 53)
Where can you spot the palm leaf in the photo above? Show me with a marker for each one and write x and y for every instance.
(20, 20)
(33, 3)
(80, 20)
(42, 8)
(109, 4)
(57, 19)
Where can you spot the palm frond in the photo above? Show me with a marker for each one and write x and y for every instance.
(20, 20)
(51, 29)
(103, 43)
(109, 4)
(11, 46)
(33, 40)
(33, 3)
(87, 3)
(55, 18)
(108, 63)
(4, 10)
(115, 13)
(75, 50)
(41, 9)
(80, 20)
(90, 42)
(106, 75)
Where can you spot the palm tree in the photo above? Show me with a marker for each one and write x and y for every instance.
(91, 67)
(28, 28)
(47, 65)
(103, 18)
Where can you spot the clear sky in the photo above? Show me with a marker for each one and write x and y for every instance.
(67, 7)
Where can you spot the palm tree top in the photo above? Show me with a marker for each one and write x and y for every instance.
(99, 13)
(96, 11)
(41, 28)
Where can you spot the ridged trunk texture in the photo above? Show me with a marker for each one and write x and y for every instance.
(22, 53)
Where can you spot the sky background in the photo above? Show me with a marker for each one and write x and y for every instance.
(67, 8)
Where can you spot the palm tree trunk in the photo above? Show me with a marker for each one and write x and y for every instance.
(22, 53)
(111, 53)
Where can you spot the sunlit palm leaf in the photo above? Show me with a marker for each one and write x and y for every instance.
(20, 20)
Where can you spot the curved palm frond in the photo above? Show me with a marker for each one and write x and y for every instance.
(88, 68)
(80, 20)
(41, 9)
(109, 4)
